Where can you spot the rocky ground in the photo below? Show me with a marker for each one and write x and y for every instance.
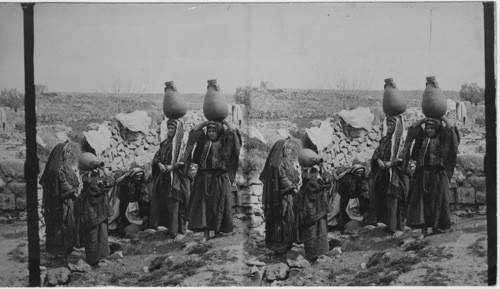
(360, 258)
(150, 259)
(372, 257)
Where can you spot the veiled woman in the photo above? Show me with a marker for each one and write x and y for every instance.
(130, 189)
(170, 192)
(391, 178)
(354, 188)
(60, 189)
(435, 151)
(95, 213)
(217, 156)
(280, 179)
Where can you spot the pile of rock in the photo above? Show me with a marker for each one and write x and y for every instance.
(356, 145)
(128, 148)
(350, 145)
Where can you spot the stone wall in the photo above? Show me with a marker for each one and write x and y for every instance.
(468, 185)
(12, 185)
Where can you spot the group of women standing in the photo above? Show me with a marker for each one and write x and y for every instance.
(215, 154)
(395, 196)
(78, 207)
(419, 199)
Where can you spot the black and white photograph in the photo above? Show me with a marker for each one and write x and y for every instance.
(248, 144)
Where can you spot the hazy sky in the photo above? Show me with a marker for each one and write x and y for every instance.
(90, 47)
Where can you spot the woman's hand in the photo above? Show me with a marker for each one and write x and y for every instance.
(162, 167)
(178, 165)
(396, 162)
(446, 121)
(381, 164)
(230, 126)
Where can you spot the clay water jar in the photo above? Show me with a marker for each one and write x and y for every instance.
(215, 106)
(174, 105)
(89, 162)
(392, 102)
(308, 158)
(433, 101)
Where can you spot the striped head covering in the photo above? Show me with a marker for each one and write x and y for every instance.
(392, 119)
(217, 125)
(177, 138)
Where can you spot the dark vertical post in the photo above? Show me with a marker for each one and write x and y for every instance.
(491, 144)
(31, 165)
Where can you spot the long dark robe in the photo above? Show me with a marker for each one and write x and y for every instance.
(389, 193)
(312, 208)
(210, 205)
(350, 187)
(60, 184)
(429, 190)
(280, 181)
(95, 214)
(171, 190)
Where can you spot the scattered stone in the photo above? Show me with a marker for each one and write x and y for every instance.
(259, 275)
(300, 262)
(150, 231)
(363, 266)
(334, 252)
(190, 245)
(80, 266)
(353, 225)
(179, 237)
(276, 272)
(145, 269)
(162, 229)
(254, 269)
(73, 258)
(131, 230)
(116, 255)
(466, 195)
(369, 227)
(334, 242)
(398, 234)
(58, 276)
(103, 263)
(255, 262)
